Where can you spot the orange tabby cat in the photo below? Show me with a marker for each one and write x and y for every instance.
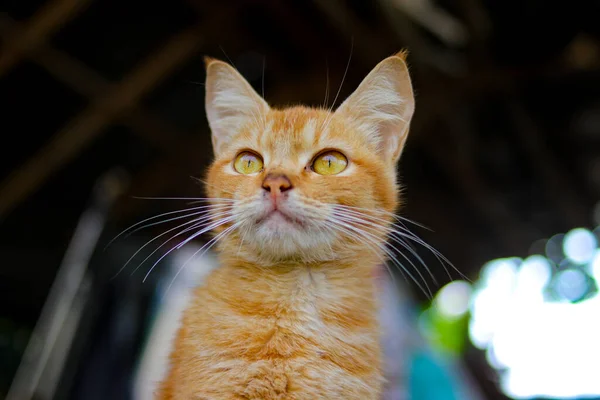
(303, 200)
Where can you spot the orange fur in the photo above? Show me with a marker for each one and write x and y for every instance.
(292, 311)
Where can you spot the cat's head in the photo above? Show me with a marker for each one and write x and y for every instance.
(307, 184)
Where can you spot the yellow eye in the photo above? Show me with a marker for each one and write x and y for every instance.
(330, 163)
(248, 163)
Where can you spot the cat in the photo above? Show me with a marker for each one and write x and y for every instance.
(301, 201)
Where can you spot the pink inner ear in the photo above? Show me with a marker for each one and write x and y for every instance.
(394, 142)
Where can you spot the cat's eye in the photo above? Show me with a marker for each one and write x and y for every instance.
(248, 162)
(329, 163)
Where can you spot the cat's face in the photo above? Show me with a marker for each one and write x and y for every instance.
(299, 183)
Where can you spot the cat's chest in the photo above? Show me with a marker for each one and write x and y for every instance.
(313, 319)
(304, 307)
(281, 347)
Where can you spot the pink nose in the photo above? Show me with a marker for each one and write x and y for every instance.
(276, 184)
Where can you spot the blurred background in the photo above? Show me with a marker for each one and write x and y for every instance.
(104, 101)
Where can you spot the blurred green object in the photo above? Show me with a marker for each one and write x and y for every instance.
(444, 324)
(445, 334)
(434, 369)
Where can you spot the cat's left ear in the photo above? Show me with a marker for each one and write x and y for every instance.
(231, 103)
(383, 105)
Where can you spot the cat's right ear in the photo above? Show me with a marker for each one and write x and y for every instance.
(383, 105)
(231, 102)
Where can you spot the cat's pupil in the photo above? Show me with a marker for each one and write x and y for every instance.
(249, 162)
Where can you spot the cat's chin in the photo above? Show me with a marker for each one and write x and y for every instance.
(281, 232)
(280, 236)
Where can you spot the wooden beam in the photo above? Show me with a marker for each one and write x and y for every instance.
(66, 69)
(43, 24)
(85, 127)
(184, 157)
(92, 85)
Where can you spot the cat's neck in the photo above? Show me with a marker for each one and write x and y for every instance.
(341, 284)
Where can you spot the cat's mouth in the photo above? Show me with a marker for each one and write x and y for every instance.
(278, 216)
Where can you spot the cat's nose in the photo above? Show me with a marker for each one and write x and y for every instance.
(276, 183)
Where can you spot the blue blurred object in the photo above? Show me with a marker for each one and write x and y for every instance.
(430, 379)
(431, 368)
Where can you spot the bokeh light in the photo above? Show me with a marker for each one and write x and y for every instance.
(444, 323)
(535, 272)
(502, 273)
(453, 299)
(579, 245)
(571, 284)
(595, 266)
(537, 319)
(554, 248)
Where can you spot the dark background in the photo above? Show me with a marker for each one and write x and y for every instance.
(503, 151)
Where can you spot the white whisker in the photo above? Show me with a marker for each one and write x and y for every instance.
(359, 218)
(210, 244)
(328, 120)
(326, 84)
(155, 217)
(198, 223)
(375, 239)
(406, 233)
(242, 241)
(177, 247)
(391, 214)
(370, 247)
(214, 186)
(207, 199)
(150, 241)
